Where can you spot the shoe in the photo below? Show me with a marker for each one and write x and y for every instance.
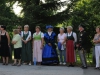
(69, 65)
(84, 67)
(14, 64)
(19, 65)
(24, 63)
(97, 68)
(6, 64)
(3, 64)
(60, 63)
(64, 63)
(29, 64)
(72, 65)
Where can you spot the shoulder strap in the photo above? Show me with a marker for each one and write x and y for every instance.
(40, 33)
(5, 33)
(73, 33)
(28, 32)
(67, 34)
(23, 32)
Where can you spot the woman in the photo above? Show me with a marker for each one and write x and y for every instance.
(70, 44)
(96, 41)
(49, 56)
(16, 41)
(26, 45)
(38, 39)
(20, 29)
(0, 41)
(61, 46)
(5, 43)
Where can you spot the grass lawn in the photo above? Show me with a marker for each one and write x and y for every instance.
(78, 62)
(89, 58)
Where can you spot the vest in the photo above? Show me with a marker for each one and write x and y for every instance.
(37, 37)
(70, 37)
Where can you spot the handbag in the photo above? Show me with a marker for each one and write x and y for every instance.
(59, 45)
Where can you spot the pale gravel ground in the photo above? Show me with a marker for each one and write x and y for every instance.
(46, 70)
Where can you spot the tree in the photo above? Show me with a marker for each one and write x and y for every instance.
(86, 12)
(38, 13)
(7, 16)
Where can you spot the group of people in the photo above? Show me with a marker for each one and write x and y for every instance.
(42, 47)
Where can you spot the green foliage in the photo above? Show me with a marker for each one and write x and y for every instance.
(38, 13)
(7, 16)
(35, 12)
(86, 12)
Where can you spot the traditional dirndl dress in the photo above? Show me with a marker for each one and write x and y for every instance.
(49, 55)
(37, 51)
(26, 49)
(70, 49)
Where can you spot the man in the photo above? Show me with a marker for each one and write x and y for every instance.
(81, 45)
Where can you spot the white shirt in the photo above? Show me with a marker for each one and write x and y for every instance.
(74, 35)
(26, 33)
(42, 35)
(61, 37)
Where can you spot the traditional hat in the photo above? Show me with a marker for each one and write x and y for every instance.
(49, 26)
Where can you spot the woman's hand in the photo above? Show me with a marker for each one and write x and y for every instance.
(13, 42)
(49, 44)
(8, 45)
(41, 47)
(26, 42)
(95, 41)
(62, 43)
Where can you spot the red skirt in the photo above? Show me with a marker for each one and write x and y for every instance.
(70, 51)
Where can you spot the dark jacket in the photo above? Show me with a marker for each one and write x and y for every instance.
(82, 40)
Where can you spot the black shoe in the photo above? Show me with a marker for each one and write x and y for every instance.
(6, 64)
(69, 65)
(72, 65)
(3, 64)
(84, 67)
(97, 68)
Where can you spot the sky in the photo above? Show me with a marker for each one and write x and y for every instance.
(17, 9)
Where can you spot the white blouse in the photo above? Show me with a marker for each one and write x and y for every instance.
(74, 35)
(49, 33)
(23, 32)
(62, 37)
